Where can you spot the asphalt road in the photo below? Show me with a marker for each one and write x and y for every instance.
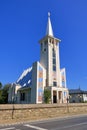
(68, 123)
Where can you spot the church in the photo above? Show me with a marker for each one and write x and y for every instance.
(43, 74)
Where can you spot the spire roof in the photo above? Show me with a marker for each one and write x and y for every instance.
(49, 30)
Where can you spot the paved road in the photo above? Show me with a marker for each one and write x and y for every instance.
(69, 123)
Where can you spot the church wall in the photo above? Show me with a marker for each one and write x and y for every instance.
(58, 66)
(63, 78)
(43, 54)
(38, 83)
(12, 93)
(40, 80)
(49, 71)
(34, 83)
(26, 98)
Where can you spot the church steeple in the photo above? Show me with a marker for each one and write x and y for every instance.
(49, 30)
(49, 56)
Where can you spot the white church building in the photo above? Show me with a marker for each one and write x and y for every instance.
(46, 73)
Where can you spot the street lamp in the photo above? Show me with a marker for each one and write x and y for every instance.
(67, 104)
(12, 106)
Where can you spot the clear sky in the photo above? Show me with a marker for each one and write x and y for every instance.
(23, 24)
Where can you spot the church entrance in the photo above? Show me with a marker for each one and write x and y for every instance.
(54, 97)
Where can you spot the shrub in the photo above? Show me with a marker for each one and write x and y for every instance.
(47, 95)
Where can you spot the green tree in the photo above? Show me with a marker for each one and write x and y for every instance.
(0, 85)
(4, 94)
(47, 95)
(1, 99)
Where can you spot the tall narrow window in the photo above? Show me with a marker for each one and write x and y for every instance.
(54, 54)
(41, 46)
(54, 83)
(54, 68)
(54, 59)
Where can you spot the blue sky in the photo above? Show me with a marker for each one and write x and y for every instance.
(23, 24)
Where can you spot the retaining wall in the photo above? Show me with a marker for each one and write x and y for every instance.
(39, 111)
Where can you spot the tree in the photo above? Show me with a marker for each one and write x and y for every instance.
(47, 95)
(0, 85)
(4, 94)
(1, 100)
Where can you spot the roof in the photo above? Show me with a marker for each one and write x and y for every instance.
(77, 91)
(25, 78)
(24, 88)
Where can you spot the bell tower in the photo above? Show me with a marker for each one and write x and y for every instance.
(49, 56)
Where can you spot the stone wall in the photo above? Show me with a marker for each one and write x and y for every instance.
(39, 111)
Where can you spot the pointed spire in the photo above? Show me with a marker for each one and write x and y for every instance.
(49, 30)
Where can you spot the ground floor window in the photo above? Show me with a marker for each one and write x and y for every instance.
(22, 97)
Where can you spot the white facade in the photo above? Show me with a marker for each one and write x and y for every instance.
(49, 58)
(85, 97)
(44, 74)
(13, 93)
